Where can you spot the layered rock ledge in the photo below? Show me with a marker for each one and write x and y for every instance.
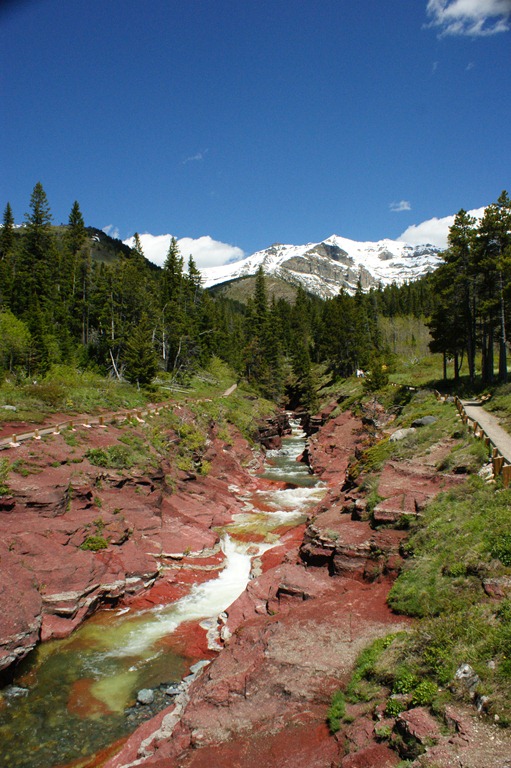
(77, 536)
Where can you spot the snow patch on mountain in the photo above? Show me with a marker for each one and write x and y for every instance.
(337, 262)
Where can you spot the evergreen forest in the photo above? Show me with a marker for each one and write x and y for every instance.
(62, 305)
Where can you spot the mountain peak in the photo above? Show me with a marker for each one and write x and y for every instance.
(333, 264)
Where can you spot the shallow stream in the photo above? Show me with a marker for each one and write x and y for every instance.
(70, 697)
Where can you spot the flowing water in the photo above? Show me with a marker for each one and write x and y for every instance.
(69, 697)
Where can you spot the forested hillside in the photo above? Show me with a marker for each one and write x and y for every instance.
(66, 297)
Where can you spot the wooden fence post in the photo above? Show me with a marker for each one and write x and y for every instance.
(506, 475)
(498, 462)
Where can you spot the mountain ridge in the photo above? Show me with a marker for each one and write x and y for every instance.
(335, 263)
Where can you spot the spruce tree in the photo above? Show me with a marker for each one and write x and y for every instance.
(493, 245)
(139, 357)
(76, 234)
(460, 285)
(172, 316)
(39, 256)
(7, 257)
(7, 234)
(80, 273)
(137, 245)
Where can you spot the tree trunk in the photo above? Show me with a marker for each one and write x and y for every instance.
(502, 345)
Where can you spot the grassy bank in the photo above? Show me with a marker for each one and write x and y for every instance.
(455, 583)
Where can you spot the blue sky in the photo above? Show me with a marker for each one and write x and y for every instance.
(255, 121)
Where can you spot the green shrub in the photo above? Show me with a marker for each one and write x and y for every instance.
(336, 711)
(404, 682)
(424, 694)
(378, 377)
(47, 392)
(94, 543)
(394, 707)
(113, 457)
(5, 468)
(500, 547)
(97, 456)
(382, 731)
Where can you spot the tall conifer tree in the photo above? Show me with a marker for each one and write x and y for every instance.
(7, 259)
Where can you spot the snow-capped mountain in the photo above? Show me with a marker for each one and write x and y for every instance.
(326, 267)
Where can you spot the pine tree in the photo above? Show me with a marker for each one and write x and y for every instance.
(493, 244)
(453, 319)
(39, 255)
(140, 357)
(80, 273)
(172, 316)
(256, 330)
(7, 257)
(7, 234)
(137, 245)
(260, 306)
(76, 234)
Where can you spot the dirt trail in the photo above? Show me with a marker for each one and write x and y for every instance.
(490, 424)
(11, 433)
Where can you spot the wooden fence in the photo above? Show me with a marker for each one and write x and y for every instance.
(139, 415)
(499, 463)
(99, 421)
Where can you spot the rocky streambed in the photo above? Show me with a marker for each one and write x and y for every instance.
(310, 577)
(74, 695)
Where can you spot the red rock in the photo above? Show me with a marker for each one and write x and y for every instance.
(375, 756)
(329, 450)
(21, 606)
(420, 725)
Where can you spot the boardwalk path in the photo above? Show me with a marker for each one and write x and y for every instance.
(490, 424)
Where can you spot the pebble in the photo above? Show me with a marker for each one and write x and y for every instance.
(145, 696)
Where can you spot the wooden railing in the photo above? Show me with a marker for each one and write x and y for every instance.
(499, 463)
(101, 421)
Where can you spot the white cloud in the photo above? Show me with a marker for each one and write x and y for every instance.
(433, 231)
(403, 205)
(111, 231)
(196, 158)
(206, 252)
(475, 18)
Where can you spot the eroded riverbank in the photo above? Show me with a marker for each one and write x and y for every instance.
(70, 697)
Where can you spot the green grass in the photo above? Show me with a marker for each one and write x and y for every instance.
(462, 541)
(67, 390)
(500, 405)
(417, 370)
(455, 545)
(336, 711)
(361, 686)
(466, 456)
